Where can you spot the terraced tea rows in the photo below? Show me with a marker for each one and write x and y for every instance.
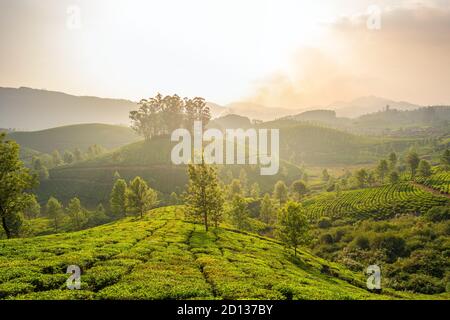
(379, 203)
(439, 181)
(165, 257)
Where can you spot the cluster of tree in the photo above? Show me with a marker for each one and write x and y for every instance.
(134, 198)
(77, 216)
(387, 170)
(40, 164)
(161, 115)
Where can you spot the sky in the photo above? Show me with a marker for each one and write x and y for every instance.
(280, 53)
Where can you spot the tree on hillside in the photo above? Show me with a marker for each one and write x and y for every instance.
(15, 180)
(382, 169)
(77, 214)
(234, 188)
(299, 188)
(55, 212)
(56, 158)
(161, 115)
(33, 208)
(393, 160)
(244, 181)
(361, 178)
(412, 159)
(140, 197)
(68, 157)
(445, 159)
(97, 217)
(39, 168)
(204, 197)
(293, 227)
(196, 110)
(78, 154)
(325, 175)
(267, 209)
(394, 177)
(424, 169)
(280, 192)
(255, 190)
(239, 212)
(117, 200)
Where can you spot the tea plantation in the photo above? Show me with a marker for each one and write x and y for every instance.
(163, 256)
(378, 203)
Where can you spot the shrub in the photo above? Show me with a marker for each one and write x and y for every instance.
(437, 214)
(324, 223)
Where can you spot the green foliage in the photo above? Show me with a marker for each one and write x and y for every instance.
(437, 214)
(77, 214)
(299, 188)
(439, 181)
(267, 212)
(239, 213)
(68, 157)
(204, 197)
(56, 158)
(424, 169)
(394, 177)
(412, 159)
(445, 159)
(379, 203)
(162, 115)
(280, 192)
(15, 179)
(255, 190)
(139, 197)
(33, 208)
(293, 226)
(162, 256)
(117, 200)
(54, 210)
(382, 169)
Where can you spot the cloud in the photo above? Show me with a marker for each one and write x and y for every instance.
(407, 59)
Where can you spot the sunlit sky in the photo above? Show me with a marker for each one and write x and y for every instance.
(227, 50)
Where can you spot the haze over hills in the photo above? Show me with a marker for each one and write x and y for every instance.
(366, 105)
(27, 109)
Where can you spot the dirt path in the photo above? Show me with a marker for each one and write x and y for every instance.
(421, 186)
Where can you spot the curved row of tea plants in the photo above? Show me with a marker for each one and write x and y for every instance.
(439, 181)
(378, 203)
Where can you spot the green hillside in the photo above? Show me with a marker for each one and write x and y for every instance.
(75, 136)
(165, 257)
(378, 202)
(316, 145)
(92, 180)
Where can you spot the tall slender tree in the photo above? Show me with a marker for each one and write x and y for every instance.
(204, 196)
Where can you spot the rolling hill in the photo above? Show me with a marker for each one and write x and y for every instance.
(92, 180)
(163, 256)
(75, 136)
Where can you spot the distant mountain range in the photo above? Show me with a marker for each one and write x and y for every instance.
(34, 109)
(366, 105)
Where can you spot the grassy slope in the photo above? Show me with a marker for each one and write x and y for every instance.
(75, 136)
(165, 257)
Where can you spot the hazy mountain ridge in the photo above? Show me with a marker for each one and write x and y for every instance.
(34, 109)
